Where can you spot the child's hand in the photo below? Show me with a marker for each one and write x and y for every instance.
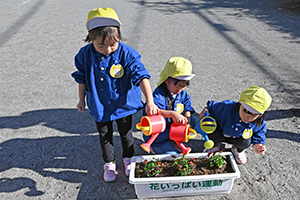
(203, 113)
(81, 106)
(259, 148)
(179, 118)
(151, 108)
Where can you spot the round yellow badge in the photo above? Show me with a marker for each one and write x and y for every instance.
(116, 71)
(247, 133)
(179, 108)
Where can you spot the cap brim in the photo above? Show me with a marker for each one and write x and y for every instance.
(185, 77)
(101, 21)
(250, 109)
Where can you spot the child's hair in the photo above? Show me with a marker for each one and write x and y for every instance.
(258, 122)
(113, 33)
(182, 83)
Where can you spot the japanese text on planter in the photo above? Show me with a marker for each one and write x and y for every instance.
(165, 187)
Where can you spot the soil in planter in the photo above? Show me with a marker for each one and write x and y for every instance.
(202, 168)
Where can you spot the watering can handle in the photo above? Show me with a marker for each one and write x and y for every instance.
(158, 113)
(142, 128)
(145, 128)
(194, 134)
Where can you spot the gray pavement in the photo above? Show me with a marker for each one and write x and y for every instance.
(48, 150)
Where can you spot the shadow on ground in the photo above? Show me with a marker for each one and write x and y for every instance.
(77, 158)
(262, 10)
(280, 15)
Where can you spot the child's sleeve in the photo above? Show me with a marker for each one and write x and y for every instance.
(259, 134)
(210, 105)
(79, 75)
(136, 69)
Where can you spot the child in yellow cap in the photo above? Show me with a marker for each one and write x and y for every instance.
(240, 123)
(171, 97)
(111, 76)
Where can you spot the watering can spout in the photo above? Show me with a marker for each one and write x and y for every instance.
(146, 147)
(185, 150)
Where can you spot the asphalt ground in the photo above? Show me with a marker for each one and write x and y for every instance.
(48, 150)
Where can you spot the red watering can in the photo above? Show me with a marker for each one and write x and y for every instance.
(151, 125)
(181, 133)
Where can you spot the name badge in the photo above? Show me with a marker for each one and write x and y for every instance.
(247, 133)
(116, 71)
(179, 108)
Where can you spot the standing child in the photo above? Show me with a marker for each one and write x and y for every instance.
(240, 123)
(173, 100)
(110, 74)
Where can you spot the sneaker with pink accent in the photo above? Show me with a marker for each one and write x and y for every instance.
(239, 157)
(127, 162)
(214, 149)
(109, 172)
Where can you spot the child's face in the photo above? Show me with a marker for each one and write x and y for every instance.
(247, 116)
(174, 86)
(107, 47)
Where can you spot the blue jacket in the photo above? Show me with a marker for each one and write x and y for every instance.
(229, 121)
(181, 103)
(112, 81)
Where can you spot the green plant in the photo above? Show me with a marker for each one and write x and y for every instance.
(217, 159)
(152, 168)
(184, 166)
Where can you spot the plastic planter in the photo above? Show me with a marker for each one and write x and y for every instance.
(182, 185)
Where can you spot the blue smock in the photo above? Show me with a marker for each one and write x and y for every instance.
(230, 124)
(181, 103)
(112, 81)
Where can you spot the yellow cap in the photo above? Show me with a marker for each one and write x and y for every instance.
(177, 67)
(102, 17)
(257, 98)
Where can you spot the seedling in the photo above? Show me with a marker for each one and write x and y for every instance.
(184, 166)
(152, 168)
(217, 159)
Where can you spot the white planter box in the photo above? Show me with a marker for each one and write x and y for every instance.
(182, 185)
